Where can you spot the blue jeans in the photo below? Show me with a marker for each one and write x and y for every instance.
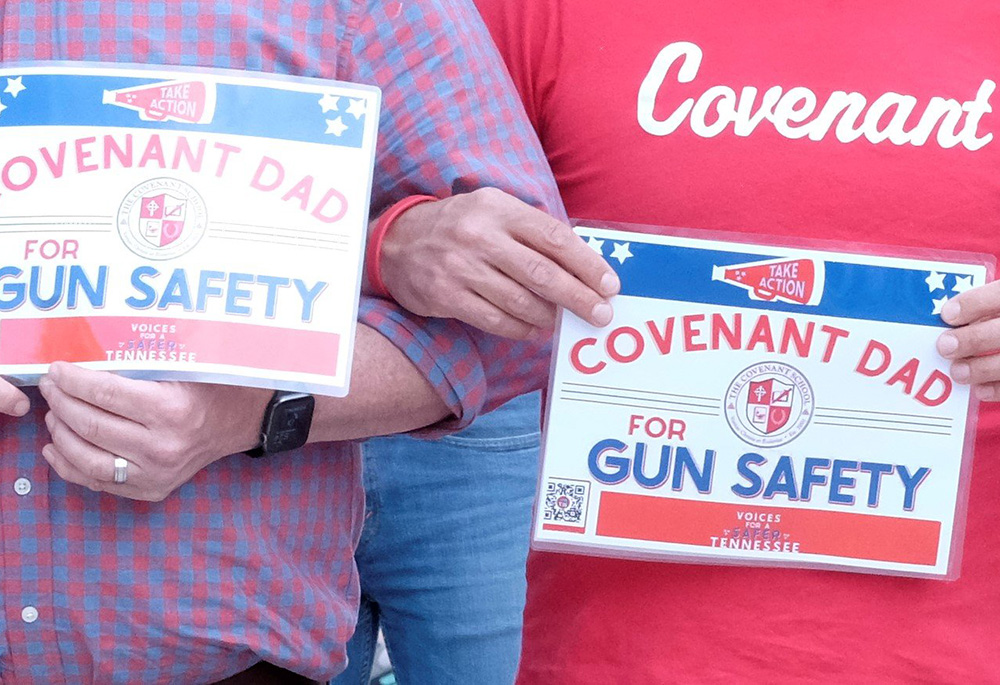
(443, 551)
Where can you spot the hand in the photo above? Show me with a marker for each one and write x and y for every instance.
(13, 402)
(974, 345)
(494, 262)
(166, 431)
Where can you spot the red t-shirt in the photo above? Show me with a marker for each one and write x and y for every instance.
(875, 127)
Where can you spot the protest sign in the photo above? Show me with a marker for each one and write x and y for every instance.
(761, 404)
(171, 223)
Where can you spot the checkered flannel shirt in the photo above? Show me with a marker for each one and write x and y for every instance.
(252, 559)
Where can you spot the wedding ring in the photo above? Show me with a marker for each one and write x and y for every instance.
(121, 470)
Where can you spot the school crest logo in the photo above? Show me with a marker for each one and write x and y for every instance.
(769, 404)
(163, 218)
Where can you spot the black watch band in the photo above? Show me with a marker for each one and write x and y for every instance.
(286, 424)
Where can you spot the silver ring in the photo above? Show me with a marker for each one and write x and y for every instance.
(121, 470)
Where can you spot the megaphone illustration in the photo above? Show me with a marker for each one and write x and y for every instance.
(795, 281)
(185, 102)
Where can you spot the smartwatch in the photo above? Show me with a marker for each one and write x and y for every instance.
(287, 421)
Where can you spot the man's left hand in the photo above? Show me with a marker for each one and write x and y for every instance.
(166, 431)
(974, 345)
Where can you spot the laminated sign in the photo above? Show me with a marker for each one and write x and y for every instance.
(171, 223)
(761, 405)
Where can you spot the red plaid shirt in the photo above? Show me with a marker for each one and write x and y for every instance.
(253, 559)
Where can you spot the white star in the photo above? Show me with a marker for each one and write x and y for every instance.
(939, 304)
(962, 283)
(2, 107)
(621, 252)
(14, 86)
(336, 126)
(596, 245)
(329, 102)
(357, 108)
(935, 281)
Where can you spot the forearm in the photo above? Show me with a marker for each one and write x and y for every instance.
(388, 395)
(437, 137)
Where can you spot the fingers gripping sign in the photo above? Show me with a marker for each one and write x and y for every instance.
(87, 465)
(141, 439)
(13, 402)
(973, 345)
(494, 262)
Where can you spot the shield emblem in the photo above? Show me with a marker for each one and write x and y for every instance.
(161, 218)
(769, 405)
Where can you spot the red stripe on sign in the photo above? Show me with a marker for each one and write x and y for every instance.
(93, 339)
(830, 533)
(563, 529)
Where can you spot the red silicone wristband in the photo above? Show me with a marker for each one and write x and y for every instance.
(373, 261)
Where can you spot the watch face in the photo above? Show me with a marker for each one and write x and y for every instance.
(289, 424)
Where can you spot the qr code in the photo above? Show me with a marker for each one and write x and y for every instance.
(566, 501)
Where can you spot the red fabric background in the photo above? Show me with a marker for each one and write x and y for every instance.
(579, 65)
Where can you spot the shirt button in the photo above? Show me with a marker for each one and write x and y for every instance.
(29, 614)
(22, 486)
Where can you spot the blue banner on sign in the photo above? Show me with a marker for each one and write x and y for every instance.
(191, 103)
(782, 283)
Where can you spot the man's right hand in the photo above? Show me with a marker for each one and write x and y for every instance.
(496, 263)
(13, 402)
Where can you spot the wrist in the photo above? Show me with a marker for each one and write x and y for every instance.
(241, 417)
(286, 425)
(377, 241)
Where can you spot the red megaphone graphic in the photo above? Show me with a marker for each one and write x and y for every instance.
(185, 102)
(795, 281)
